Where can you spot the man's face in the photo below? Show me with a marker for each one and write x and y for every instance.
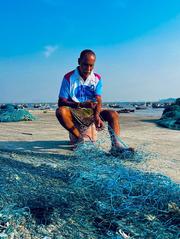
(86, 64)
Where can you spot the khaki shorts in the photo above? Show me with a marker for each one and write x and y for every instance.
(83, 116)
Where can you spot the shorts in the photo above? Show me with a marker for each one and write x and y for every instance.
(83, 116)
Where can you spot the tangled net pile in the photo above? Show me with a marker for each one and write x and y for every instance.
(11, 113)
(171, 116)
(88, 195)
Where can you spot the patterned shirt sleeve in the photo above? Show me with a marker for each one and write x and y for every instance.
(98, 90)
(64, 89)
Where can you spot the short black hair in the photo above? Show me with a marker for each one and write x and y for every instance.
(86, 52)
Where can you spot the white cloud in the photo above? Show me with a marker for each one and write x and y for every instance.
(49, 50)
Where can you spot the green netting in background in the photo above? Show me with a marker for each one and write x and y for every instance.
(171, 116)
(10, 113)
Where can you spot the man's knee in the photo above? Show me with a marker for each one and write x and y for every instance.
(61, 112)
(113, 115)
(110, 115)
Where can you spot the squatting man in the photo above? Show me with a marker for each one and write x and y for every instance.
(81, 94)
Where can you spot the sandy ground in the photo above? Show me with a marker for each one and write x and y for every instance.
(45, 135)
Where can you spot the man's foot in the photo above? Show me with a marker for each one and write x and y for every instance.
(122, 152)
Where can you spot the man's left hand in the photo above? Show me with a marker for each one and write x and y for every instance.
(99, 123)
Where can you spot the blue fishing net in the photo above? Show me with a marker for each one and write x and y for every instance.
(10, 113)
(89, 194)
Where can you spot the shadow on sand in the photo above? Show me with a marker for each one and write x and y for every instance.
(46, 147)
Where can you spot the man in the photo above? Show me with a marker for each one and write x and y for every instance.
(81, 91)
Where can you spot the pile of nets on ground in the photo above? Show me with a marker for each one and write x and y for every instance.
(11, 113)
(171, 116)
(89, 194)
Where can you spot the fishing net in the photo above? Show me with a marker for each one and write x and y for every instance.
(89, 194)
(10, 113)
(171, 116)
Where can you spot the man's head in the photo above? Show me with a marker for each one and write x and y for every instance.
(86, 62)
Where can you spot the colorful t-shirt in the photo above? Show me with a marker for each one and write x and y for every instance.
(74, 88)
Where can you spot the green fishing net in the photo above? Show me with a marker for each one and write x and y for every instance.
(10, 113)
(171, 116)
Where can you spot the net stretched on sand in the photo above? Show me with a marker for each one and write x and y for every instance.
(89, 194)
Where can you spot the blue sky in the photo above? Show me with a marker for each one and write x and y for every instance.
(137, 43)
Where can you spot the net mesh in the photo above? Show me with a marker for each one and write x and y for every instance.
(10, 113)
(89, 194)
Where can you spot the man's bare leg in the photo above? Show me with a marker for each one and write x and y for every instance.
(65, 118)
(112, 118)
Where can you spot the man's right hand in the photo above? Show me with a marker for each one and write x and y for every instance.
(88, 104)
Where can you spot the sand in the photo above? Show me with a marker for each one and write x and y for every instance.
(46, 136)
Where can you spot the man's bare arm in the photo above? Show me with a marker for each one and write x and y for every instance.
(99, 105)
(98, 121)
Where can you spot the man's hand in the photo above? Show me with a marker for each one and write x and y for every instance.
(99, 123)
(88, 104)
